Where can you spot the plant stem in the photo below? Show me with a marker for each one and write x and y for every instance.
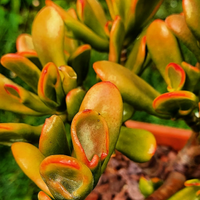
(172, 184)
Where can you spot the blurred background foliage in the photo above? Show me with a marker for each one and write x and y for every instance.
(16, 17)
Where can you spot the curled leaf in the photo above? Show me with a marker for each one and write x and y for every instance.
(105, 98)
(18, 132)
(73, 100)
(66, 177)
(27, 98)
(69, 78)
(175, 76)
(162, 46)
(53, 138)
(23, 67)
(176, 104)
(50, 88)
(90, 137)
(12, 104)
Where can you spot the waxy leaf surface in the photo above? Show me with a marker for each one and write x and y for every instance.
(162, 46)
(105, 98)
(29, 158)
(73, 100)
(80, 31)
(133, 89)
(66, 177)
(176, 104)
(137, 144)
(23, 67)
(48, 36)
(53, 138)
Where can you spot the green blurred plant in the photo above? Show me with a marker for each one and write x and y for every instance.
(53, 65)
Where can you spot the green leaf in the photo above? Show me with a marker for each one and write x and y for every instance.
(137, 144)
(53, 138)
(48, 36)
(66, 177)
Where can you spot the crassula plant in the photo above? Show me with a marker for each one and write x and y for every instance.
(54, 61)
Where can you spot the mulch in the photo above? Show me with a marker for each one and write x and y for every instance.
(120, 179)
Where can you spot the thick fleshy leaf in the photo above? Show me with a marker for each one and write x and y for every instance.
(191, 10)
(192, 82)
(29, 158)
(32, 56)
(188, 193)
(146, 186)
(138, 44)
(162, 45)
(81, 31)
(117, 8)
(70, 45)
(177, 24)
(79, 61)
(137, 144)
(192, 182)
(176, 104)
(66, 177)
(73, 100)
(133, 89)
(27, 98)
(90, 138)
(91, 13)
(50, 87)
(138, 56)
(140, 12)
(43, 196)
(7, 102)
(165, 135)
(105, 98)
(111, 9)
(128, 111)
(116, 40)
(48, 36)
(69, 78)
(175, 76)
(23, 67)
(24, 43)
(16, 132)
(53, 138)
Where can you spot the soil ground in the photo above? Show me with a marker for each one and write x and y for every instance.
(120, 179)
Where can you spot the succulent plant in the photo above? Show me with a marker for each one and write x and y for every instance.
(53, 61)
